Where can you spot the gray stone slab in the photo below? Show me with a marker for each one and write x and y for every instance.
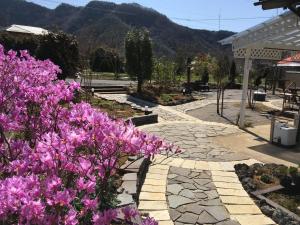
(188, 218)
(175, 201)
(174, 189)
(206, 218)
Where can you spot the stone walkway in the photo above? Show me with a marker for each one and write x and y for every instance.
(198, 185)
(178, 191)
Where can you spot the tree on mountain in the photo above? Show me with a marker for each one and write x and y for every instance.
(139, 57)
(61, 49)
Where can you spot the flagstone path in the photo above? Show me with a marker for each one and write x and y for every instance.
(198, 185)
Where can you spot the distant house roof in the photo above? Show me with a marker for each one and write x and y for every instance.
(292, 61)
(26, 30)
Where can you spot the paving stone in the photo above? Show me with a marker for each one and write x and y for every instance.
(218, 212)
(212, 202)
(223, 173)
(243, 209)
(156, 182)
(179, 171)
(229, 222)
(152, 196)
(232, 192)
(205, 217)
(125, 199)
(152, 188)
(189, 186)
(156, 176)
(183, 179)
(212, 194)
(177, 162)
(158, 171)
(175, 201)
(174, 214)
(202, 181)
(165, 222)
(130, 177)
(152, 205)
(192, 208)
(130, 187)
(253, 220)
(159, 166)
(188, 164)
(187, 193)
(225, 179)
(162, 215)
(174, 188)
(188, 218)
(228, 185)
(233, 200)
(215, 166)
(171, 176)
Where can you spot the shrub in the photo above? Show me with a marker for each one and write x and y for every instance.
(267, 179)
(57, 158)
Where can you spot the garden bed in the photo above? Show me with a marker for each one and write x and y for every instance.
(113, 108)
(276, 189)
(163, 96)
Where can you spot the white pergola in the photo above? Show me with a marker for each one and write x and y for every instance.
(266, 41)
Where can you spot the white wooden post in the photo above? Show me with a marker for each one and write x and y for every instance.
(247, 67)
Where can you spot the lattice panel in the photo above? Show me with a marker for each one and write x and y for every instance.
(268, 54)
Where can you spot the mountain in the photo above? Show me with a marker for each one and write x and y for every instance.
(106, 24)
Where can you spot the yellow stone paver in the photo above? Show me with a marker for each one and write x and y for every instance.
(223, 173)
(155, 182)
(165, 222)
(232, 192)
(253, 220)
(243, 209)
(152, 196)
(234, 200)
(162, 215)
(176, 162)
(225, 179)
(156, 176)
(228, 185)
(152, 188)
(159, 166)
(152, 205)
(158, 171)
(188, 164)
(201, 165)
(215, 166)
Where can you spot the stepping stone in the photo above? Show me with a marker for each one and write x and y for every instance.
(188, 164)
(192, 208)
(179, 171)
(174, 214)
(206, 218)
(218, 212)
(188, 218)
(175, 201)
(174, 188)
(177, 162)
(187, 193)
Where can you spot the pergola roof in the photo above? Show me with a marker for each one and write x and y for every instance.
(268, 39)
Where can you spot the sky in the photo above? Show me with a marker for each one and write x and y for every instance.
(232, 15)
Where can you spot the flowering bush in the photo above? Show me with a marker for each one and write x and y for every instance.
(56, 157)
